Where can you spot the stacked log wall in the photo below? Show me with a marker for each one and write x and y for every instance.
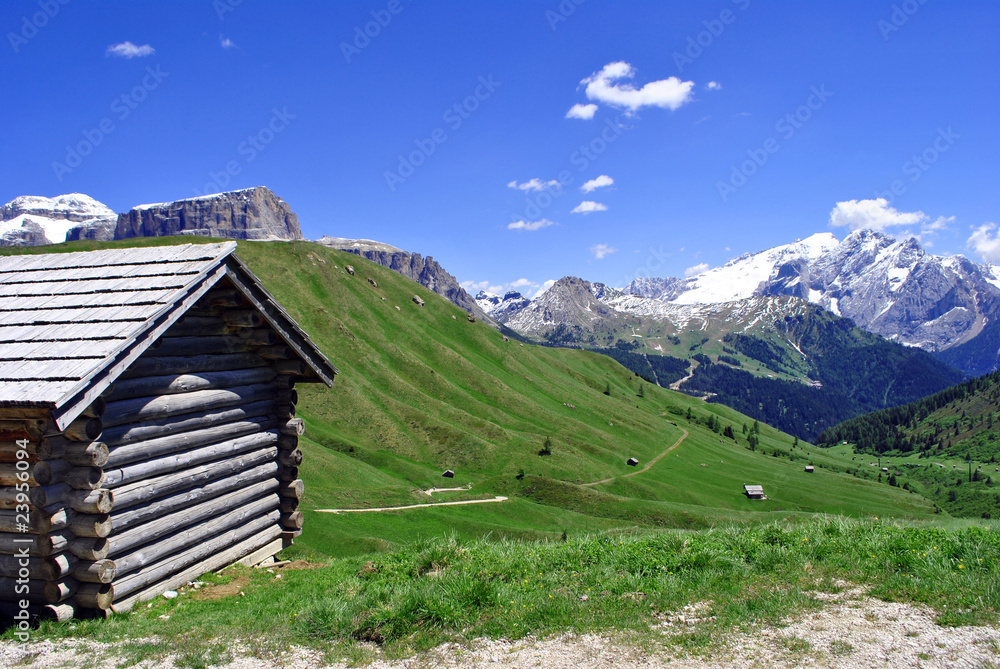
(189, 462)
(54, 516)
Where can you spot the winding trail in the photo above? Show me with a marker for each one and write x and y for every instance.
(498, 498)
(647, 467)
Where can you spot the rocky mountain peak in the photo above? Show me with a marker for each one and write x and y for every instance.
(252, 213)
(425, 271)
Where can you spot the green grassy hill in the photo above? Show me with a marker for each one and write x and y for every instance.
(946, 445)
(422, 390)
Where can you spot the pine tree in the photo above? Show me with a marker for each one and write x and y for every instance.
(607, 388)
(642, 391)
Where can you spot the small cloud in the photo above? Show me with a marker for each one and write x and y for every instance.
(599, 182)
(584, 112)
(743, 114)
(226, 43)
(606, 86)
(713, 86)
(589, 207)
(522, 286)
(985, 243)
(937, 225)
(473, 287)
(129, 50)
(534, 185)
(702, 120)
(601, 250)
(696, 270)
(530, 225)
(878, 214)
(727, 248)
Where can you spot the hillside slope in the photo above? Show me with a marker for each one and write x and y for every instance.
(960, 426)
(423, 389)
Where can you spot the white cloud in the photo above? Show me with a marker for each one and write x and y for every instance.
(985, 244)
(526, 287)
(606, 86)
(584, 112)
(713, 86)
(601, 250)
(530, 225)
(879, 215)
(697, 269)
(534, 185)
(599, 182)
(589, 207)
(872, 214)
(129, 50)
(226, 43)
(473, 287)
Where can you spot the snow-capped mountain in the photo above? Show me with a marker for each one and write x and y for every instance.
(887, 286)
(501, 308)
(32, 220)
(741, 278)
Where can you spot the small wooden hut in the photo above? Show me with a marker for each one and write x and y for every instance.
(147, 424)
(754, 491)
(810, 469)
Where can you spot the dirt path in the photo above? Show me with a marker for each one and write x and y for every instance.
(676, 385)
(498, 498)
(647, 467)
(851, 632)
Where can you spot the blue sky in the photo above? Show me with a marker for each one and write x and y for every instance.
(725, 126)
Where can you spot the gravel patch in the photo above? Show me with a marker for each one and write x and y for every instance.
(851, 631)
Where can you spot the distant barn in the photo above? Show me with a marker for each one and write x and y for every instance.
(810, 469)
(632, 462)
(754, 491)
(147, 411)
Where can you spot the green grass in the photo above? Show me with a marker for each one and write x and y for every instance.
(447, 589)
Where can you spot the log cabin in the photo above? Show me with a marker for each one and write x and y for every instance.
(147, 424)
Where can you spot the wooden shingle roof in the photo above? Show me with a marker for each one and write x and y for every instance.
(70, 323)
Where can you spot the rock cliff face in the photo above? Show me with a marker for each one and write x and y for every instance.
(252, 213)
(425, 271)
